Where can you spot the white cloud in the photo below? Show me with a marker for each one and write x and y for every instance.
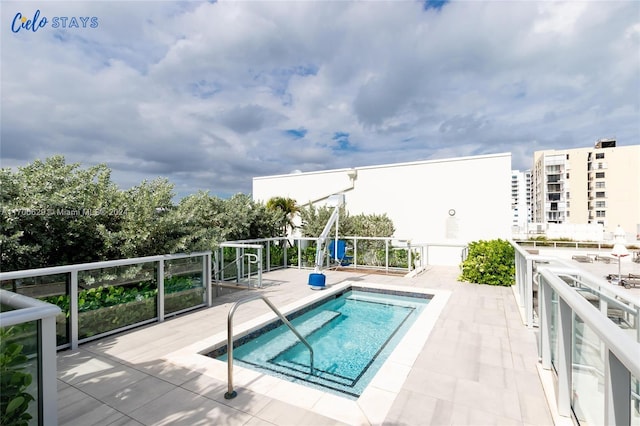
(204, 93)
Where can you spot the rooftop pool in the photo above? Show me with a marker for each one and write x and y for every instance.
(352, 333)
(365, 337)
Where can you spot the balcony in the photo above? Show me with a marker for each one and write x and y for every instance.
(590, 338)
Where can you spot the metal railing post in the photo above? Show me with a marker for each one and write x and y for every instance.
(386, 255)
(47, 370)
(617, 404)
(230, 392)
(160, 278)
(73, 310)
(206, 267)
(260, 267)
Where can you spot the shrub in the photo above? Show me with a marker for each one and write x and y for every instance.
(14, 380)
(489, 262)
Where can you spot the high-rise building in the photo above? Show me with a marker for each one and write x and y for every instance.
(521, 211)
(599, 185)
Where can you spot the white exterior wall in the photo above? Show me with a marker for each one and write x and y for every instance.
(416, 196)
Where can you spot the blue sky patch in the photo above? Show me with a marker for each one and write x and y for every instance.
(344, 144)
(434, 4)
(296, 133)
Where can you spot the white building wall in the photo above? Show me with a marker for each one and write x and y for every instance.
(417, 196)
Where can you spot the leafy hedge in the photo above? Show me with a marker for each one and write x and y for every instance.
(14, 380)
(489, 262)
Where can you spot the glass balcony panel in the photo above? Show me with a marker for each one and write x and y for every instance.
(554, 329)
(184, 284)
(635, 401)
(116, 297)
(53, 289)
(276, 254)
(19, 352)
(587, 375)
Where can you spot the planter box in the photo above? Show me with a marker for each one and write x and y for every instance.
(110, 318)
(178, 301)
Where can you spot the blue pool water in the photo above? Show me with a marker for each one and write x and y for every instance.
(352, 334)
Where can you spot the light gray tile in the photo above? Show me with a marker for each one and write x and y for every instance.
(137, 394)
(412, 408)
(434, 384)
(181, 407)
(76, 408)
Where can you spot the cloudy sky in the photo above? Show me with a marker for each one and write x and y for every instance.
(210, 95)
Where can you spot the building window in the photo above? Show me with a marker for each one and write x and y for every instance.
(600, 213)
(600, 184)
(599, 155)
(567, 156)
(567, 175)
(601, 204)
(567, 213)
(600, 194)
(568, 196)
(599, 175)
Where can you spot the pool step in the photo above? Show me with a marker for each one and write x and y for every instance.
(321, 376)
(309, 326)
(272, 348)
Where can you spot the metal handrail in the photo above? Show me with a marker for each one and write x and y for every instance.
(230, 392)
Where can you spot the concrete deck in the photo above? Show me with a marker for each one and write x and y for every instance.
(477, 367)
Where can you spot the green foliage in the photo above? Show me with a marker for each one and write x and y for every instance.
(314, 220)
(489, 262)
(108, 307)
(52, 214)
(286, 209)
(55, 213)
(14, 381)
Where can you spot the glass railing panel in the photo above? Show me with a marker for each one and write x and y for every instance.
(587, 376)
(635, 401)
(19, 379)
(116, 297)
(276, 254)
(229, 264)
(303, 254)
(370, 252)
(184, 285)
(553, 329)
(53, 289)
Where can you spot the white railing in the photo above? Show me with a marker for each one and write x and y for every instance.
(589, 338)
(299, 252)
(152, 269)
(42, 356)
(594, 360)
(564, 244)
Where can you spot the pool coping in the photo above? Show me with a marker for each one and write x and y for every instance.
(376, 400)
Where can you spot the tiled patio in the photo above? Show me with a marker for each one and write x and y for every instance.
(478, 367)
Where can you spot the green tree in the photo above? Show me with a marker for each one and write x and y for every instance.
(245, 219)
(201, 216)
(151, 224)
(54, 213)
(287, 209)
(314, 220)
